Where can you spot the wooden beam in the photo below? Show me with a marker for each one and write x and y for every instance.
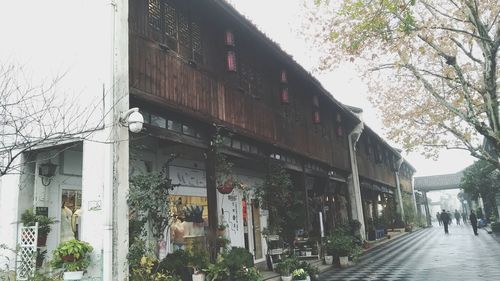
(211, 181)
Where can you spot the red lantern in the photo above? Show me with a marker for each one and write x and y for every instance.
(231, 61)
(316, 117)
(283, 77)
(229, 38)
(284, 96)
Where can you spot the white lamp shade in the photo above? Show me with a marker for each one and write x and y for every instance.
(135, 121)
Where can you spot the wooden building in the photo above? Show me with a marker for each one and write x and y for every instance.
(199, 67)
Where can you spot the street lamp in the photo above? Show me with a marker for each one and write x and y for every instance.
(46, 172)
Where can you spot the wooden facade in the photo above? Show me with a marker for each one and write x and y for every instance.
(179, 60)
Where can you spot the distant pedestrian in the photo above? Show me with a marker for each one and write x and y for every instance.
(445, 218)
(457, 216)
(464, 217)
(438, 216)
(473, 222)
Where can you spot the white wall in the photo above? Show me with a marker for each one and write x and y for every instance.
(76, 39)
(8, 220)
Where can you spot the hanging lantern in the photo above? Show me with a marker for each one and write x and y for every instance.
(284, 95)
(283, 78)
(231, 61)
(229, 38)
(316, 117)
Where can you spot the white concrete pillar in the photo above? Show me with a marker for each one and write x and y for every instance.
(9, 204)
(401, 209)
(120, 84)
(353, 181)
(92, 216)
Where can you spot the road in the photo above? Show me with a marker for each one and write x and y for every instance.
(429, 255)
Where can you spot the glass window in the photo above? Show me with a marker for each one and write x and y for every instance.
(190, 221)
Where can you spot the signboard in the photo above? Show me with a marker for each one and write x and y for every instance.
(42, 211)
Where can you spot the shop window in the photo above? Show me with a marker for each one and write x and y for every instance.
(190, 223)
(71, 203)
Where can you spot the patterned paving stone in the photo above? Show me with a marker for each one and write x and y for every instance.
(429, 255)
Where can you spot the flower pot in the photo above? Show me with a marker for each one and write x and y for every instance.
(41, 240)
(68, 258)
(198, 277)
(221, 232)
(285, 278)
(73, 275)
(227, 187)
(344, 261)
(329, 260)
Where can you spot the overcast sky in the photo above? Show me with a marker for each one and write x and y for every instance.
(280, 20)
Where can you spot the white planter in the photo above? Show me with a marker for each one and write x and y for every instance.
(329, 260)
(73, 275)
(285, 278)
(199, 277)
(344, 261)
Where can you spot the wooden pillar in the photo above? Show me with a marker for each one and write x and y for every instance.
(306, 196)
(210, 173)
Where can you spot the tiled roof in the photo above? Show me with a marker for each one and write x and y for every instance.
(447, 181)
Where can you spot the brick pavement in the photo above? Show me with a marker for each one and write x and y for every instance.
(429, 255)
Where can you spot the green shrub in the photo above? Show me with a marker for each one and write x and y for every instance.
(238, 258)
(175, 263)
(495, 227)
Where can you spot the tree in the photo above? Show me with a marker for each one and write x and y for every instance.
(32, 115)
(482, 179)
(431, 67)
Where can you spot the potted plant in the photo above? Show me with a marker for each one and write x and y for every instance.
(342, 246)
(73, 257)
(299, 275)
(177, 263)
(284, 269)
(221, 230)
(227, 187)
(247, 274)
(218, 271)
(28, 218)
(199, 261)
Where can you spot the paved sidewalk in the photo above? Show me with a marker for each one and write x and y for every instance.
(392, 236)
(429, 255)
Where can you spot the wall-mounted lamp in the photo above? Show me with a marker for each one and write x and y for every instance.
(47, 171)
(133, 119)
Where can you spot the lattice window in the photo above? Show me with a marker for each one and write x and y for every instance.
(26, 258)
(196, 36)
(154, 14)
(170, 20)
(181, 33)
